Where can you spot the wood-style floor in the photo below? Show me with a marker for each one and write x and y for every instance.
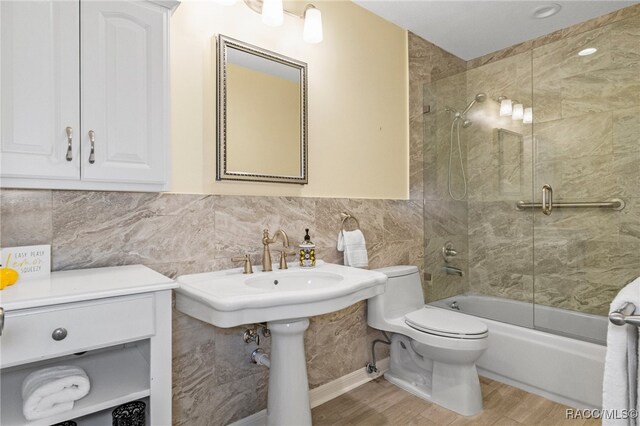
(381, 403)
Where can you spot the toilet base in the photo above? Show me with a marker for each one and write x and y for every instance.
(453, 386)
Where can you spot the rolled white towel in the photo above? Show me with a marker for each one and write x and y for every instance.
(53, 390)
(354, 247)
(621, 381)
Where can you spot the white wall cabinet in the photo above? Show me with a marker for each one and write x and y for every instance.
(85, 94)
(117, 328)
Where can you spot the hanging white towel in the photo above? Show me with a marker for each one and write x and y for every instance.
(53, 390)
(353, 245)
(620, 385)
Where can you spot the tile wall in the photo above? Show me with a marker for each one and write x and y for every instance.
(213, 379)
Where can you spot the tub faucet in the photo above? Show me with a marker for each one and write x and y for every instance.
(452, 270)
(266, 254)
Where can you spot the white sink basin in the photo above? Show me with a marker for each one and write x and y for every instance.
(295, 281)
(230, 298)
(285, 299)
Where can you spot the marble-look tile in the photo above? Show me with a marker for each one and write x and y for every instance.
(221, 405)
(605, 89)
(402, 220)
(93, 229)
(559, 59)
(585, 224)
(578, 179)
(626, 131)
(345, 329)
(570, 138)
(25, 217)
(627, 173)
(625, 39)
(233, 356)
(630, 220)
(239, 222)
(499, 219)
(619, 15)
(369, 213)
(427, 63)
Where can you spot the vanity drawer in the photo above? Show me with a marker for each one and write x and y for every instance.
(35, 334)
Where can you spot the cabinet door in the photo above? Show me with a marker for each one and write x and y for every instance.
(124, 60)
(39, 89)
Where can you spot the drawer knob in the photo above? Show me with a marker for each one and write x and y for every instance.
(59, 334)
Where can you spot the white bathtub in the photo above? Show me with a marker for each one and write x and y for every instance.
(561, 368)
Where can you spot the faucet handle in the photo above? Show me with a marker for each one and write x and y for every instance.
(248, 268)
(283, 258)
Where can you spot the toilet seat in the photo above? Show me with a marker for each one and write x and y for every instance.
(445, 324)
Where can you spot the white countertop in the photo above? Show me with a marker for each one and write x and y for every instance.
(83, 284)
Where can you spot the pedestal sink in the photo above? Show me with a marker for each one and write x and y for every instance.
(285, 299)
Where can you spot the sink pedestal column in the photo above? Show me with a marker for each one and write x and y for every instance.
(288, 398)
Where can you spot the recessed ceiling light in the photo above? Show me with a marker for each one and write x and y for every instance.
(588, 51)
(546, 11)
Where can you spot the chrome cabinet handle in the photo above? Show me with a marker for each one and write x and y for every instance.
(69, 156)
(547, 199)
(1, 320)
(92, 154)
(59, 334)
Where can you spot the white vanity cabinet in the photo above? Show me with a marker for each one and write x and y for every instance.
(115, 323)
(84, 89)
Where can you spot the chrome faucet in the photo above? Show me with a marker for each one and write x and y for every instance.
(266, 254)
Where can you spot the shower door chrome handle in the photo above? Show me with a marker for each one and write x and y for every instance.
(547, 199)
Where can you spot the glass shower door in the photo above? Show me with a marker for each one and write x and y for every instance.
(586, 147)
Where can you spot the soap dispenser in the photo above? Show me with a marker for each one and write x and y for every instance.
(307, 252)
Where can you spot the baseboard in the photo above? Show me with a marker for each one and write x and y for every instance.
(326, 392)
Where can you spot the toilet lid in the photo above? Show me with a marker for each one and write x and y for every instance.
(446, 323)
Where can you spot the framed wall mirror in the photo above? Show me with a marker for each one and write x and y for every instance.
(262, 115)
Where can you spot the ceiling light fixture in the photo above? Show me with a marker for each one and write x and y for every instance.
(273, 11)
(542, 12)
(588, 51)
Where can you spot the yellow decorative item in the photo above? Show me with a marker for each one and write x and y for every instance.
(8, 277)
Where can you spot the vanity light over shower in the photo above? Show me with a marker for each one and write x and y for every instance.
(273, 11)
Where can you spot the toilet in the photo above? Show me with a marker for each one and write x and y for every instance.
(433, 350)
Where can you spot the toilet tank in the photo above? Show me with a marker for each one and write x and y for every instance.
(403, 294)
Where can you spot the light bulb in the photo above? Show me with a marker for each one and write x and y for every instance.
(272, 13)
(588, 51)
(506, 108)
(518, 112)
(527, 118)
(312, 25)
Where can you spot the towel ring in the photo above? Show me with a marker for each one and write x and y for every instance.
(347, 216)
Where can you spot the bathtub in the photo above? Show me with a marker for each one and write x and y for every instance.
(561, 359)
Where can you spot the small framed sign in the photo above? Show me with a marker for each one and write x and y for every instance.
(29, 261)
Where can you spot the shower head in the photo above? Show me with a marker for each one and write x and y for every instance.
(480, 97)
(466, 123)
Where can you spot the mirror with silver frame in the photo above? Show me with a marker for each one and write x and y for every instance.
(262, 115)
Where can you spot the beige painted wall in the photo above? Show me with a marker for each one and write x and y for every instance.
(358, 119)
(263, 124)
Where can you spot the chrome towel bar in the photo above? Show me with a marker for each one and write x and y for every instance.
(615, 204)
(624, 315)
